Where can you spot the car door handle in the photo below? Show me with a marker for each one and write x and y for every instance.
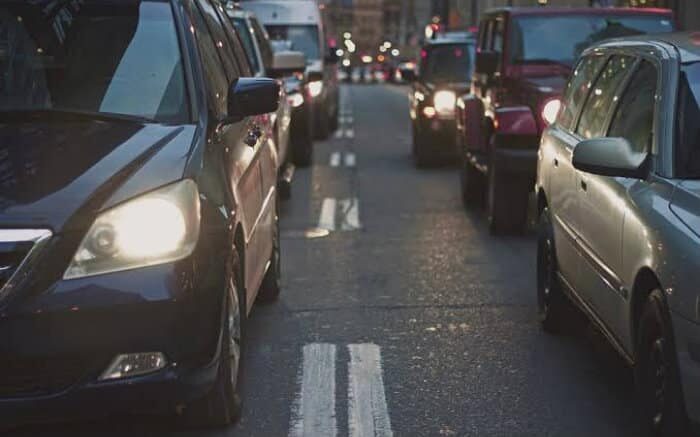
(251, 139)
(584, 185)
(256, 131)
(556, 162)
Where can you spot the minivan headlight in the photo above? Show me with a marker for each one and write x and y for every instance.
(158, 227)
(444, 102)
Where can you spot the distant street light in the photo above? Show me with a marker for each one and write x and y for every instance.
(395, 52)
(339, 52)
(347, 35)
(346, 62)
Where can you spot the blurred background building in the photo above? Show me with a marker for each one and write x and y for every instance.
(402, 23)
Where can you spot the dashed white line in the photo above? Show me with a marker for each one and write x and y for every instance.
(327, 218)
(350, 159)
(368, 414)
(314, 406)
(349, 133)
(339, 133)
(335, 159)
(350, 210)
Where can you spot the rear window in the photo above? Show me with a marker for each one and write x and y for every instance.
(448, 63)
(303, 38)
(688, 131)
(560, 39)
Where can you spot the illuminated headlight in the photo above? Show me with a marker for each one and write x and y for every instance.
(444, 102)
(550, 111)
(315, 88)
(158, 227)
(296, 100)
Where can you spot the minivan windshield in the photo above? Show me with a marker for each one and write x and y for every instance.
(304, 38)
(448, 63)
(561, 38)
(688, 128)
(92, 56)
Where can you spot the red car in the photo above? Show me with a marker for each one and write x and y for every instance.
(524, 58)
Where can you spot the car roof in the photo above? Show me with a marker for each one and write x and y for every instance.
(686, 43)
(579, 11)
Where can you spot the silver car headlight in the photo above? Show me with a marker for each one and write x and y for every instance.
(158, 227)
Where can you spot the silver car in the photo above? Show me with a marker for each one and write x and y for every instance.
(618, 189)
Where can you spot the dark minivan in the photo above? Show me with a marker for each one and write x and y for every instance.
(138, 216)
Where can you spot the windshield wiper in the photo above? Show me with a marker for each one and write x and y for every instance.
(69, 114)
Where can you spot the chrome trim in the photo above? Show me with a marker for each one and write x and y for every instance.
(37, 236)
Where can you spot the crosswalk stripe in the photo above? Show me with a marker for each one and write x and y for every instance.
(314, 406)
(327, 218)
(349, 133)
(350, 159)
(335, 159)
(350, 210)
(368, 414)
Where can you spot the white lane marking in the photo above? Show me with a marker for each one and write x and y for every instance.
(314, 407)
(368, 414)
(345, 119)
(350, 210)
(339, 134)
(327, 218)
(335, 159)
(349, 133)
(350, 159)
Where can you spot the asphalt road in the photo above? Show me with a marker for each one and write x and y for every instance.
(407, 317)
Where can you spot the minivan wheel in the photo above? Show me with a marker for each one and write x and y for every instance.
(472, 183)
(222, 405)
(507, 201)
(552, 304)
(656, 372)
(271, 288)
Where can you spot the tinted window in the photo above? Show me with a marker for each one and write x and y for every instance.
(561, 39)
(109, 58)
(247, 39)
(263, 42)
(222, 43)
(577, 89)
(303, 38)
(688, 134)
(497, 42)
(602, 96)
(448, 63)
(634, 119)
(216, 82)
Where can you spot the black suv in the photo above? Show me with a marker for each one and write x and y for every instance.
(445, 72)
(138, 216)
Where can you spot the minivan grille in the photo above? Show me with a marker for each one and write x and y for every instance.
(18, 247)
(37, 377)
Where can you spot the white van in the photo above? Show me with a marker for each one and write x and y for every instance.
(299, 21)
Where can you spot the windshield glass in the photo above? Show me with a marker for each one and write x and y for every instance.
(561, 39)
(247, 39)
(92, 56)
(688, 131)
(302, 38)
(448, 63)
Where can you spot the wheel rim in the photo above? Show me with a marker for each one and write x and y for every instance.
(234, 332)
(545, 275)
(657, 371)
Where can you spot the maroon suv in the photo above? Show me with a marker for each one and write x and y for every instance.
(524, 58)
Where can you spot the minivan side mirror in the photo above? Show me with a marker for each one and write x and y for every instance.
(613, 157)
(252, 96)
(286, 63)
(487, 62)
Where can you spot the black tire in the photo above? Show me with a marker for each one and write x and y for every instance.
(553, 307)
(303, 145)
(472, 182)
(656, 372)
(420, 156)
(222, 405)
(333, 121)
(270, 288)
(507, 200)
(322, 130)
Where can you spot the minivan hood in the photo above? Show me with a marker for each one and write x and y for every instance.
(59, 174)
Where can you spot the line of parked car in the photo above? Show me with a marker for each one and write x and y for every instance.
(602, 118)
(144, 146)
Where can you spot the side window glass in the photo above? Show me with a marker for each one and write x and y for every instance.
(634, 119)
(577, 89)
(216, 82)
(234, 40)
(602, 95)
(488, 35)
(222, 43)
(246, 36)
(497, 40)
(263, 43)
